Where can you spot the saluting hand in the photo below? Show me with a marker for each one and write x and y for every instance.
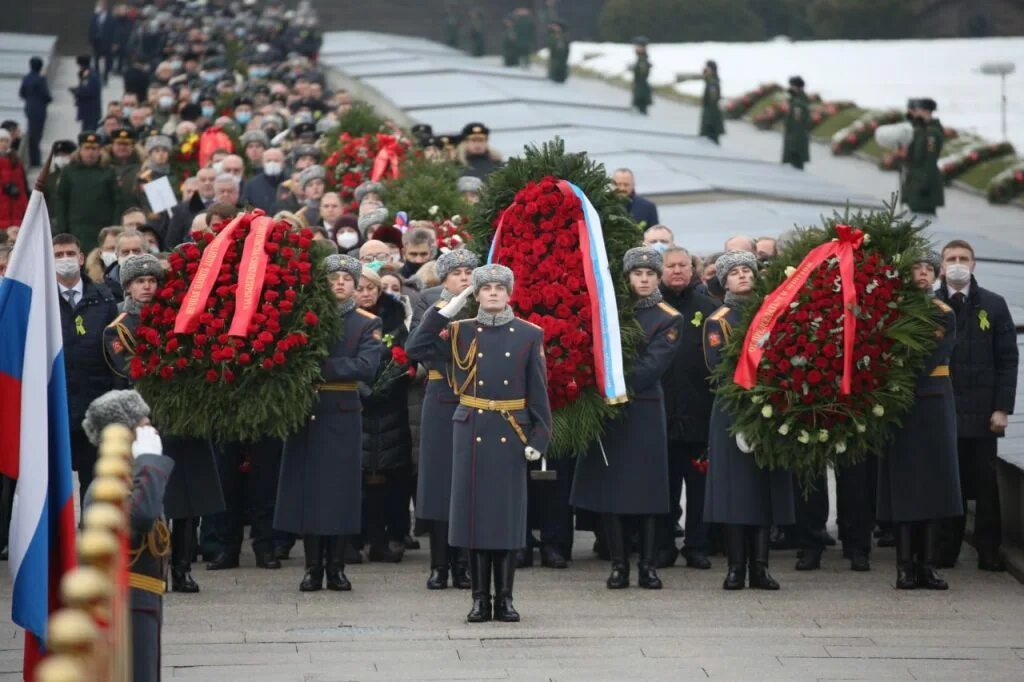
(147, 442)
(452, 308)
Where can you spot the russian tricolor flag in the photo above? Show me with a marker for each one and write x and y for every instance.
(35, 447)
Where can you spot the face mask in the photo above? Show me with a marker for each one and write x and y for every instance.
(149, 120)
(218, 167)
(154, 249)
(128, 111)
(347, 240)
(272, 168)
(165, 102)
(243, 117)
(61, 161)
(958, 274)
(208, 112)
(176, 65)
(108, 258)
(660, 247)
(258, 73)
(67, 267)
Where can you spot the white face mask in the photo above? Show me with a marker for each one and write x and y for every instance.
(61, 161)
(273, 167)
(347, 240)
(67, 267)
(108, 258)
(958, 273)
(165, 102)
(218, 167)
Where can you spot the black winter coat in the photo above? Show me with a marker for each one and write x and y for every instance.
(387, 439)
(984, 363)
(688, 395)
(88, 376)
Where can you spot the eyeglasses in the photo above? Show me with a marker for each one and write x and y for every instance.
(378, 257)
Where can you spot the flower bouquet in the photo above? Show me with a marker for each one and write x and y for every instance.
(1007, 185)
(824, 363)
(232, 345)
(531, 218)
(849, 139)
(185, 160)
(353, 160)
(738, 106)
(894, 160)
(397, 367)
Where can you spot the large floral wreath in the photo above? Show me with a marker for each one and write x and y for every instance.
(217, 380)
(817, 397)
(357, 159)
(540, 243)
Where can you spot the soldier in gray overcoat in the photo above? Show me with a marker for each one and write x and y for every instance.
(496, 362)
(919, 475)
(434, 485)
(150, 473)
(627, 473)
(739, 494)
(319, 493)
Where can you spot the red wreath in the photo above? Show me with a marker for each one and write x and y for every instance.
(352, 163)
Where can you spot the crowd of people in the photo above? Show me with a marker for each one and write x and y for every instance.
(484, 517)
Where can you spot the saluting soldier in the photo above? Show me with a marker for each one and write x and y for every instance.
(558, 52)
(922, 188)
(627, 473)
(641, 71)
(919, 476)
(140, 277)
(496, 365)
(434, 484)
(320, 489)
(151, 471)
(796, 141)
(739, 494)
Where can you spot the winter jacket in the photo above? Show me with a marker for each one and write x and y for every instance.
(387, 439)
(85, 367)
(261, 191)
(88, 198)
(13, 190)
(643, 211)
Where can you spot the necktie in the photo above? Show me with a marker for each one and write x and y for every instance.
(70, 296)
(959, 301)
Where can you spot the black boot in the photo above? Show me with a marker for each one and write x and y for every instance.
(438, 579)
(760, 578)
(736, 551)
(504, 575)
(460, 568)
(313, 580)
(927, 576)
(336, 579)
(182, 541)
(810, 559)
(615, 540)
(480, 573)
(905, 574)
(646, 570)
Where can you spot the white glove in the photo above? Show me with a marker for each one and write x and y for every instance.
(147, 442)
(532, 454)
(743, 445)
(452, 308)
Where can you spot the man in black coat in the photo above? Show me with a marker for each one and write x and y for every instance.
(36, 93)
(180, 224)
(984, 369)
(261, 189)
(643, 211)
(88, 96)
(688, 400)
(101, 37)
(85, 311)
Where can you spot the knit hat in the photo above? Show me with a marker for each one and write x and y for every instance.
(457, 258)
(642, 257)
(343, 263)
(158, 142)
(113, 407)
(372, 275)
(367, 188)
(257, 136)
(733, 259)
(310, 174)
(375, 217)
(469, 183)
(493, 273)
(145, 265)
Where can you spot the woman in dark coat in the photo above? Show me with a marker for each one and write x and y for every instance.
(387, 441)
(739, 494)
(319, 493)
(434, 484)
(919, 476)
(627, 473)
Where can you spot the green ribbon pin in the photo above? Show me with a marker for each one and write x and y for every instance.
(80, 326)
(698, 319)
(983, 320)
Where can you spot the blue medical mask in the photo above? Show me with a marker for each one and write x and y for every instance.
(660, 247)
(208, 111)
(243, 117)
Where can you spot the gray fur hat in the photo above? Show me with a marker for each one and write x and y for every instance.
(366, 188)
(378, 216)
(642, 257)
(493, 273)
(113, 407)
(310, 174)
(158, 142)
(469, 183)
(305, 150)
(141, 266)
(931, 258)
(255, 136)
(343, 263)
(456, 258)
(733, 259)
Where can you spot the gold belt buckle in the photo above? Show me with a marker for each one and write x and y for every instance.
(490, 404)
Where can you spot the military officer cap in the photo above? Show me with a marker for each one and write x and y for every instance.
(931, 258)
(712, 64)
(431, 141)
(493, 274)
(456, 258)
(449, 140)
(343, 263)
(796, 82)
(113, 407)
(733, 259)
(422, 130)
(642, 257)
(928, 104)
(914, 103)
(305, 150)
(308, 175)
(255, 137)
(367, 188)
(475, 129)
(641, 40)
(304, 129)
(123, 135)
(144, 265)
(469, 183)
(88, 138)
(64, 147)
(157, 142)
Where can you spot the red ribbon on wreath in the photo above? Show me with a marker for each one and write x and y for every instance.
(251, 274)
(206, 275)
(777, 303)
(386, 161)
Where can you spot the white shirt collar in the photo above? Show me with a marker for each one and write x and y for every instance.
(966, 291)
(79, 289)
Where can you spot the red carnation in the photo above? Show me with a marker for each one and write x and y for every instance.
(399, 355)
(212, 375)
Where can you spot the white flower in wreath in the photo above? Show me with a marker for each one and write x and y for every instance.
(433, 209)
(784, 430)
(757, 399)
(878, 411)
(840, 447)
(861, 428)
(767, 411)
(742, 444)
(789, 271)
(867, 238)
(804, 437)
(822, 435)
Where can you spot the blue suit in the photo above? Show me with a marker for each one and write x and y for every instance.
(642, 210)
(36, 93)
(88, 99)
